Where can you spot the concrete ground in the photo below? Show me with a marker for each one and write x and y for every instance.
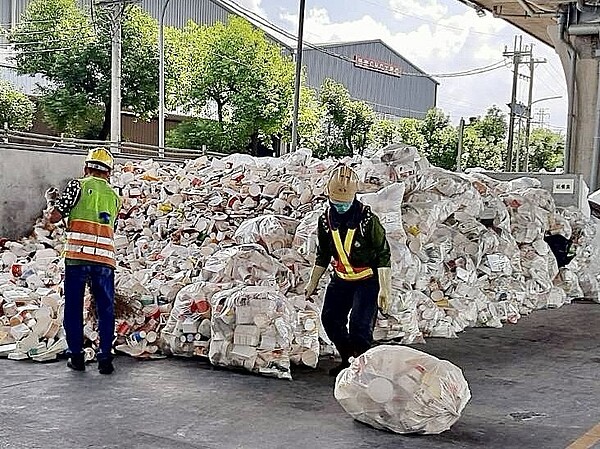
(534, 385)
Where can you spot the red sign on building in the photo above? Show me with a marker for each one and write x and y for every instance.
(376, 65)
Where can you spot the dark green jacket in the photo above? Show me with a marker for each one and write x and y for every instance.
(370, 247)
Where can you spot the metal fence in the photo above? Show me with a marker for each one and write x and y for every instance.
(40, 142)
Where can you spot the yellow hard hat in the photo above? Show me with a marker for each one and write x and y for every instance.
(342, 185)
(100, 159)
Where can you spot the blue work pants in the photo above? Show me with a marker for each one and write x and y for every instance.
(101, 280)
(357, 299)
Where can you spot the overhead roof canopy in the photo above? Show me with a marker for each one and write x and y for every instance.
(532, 16)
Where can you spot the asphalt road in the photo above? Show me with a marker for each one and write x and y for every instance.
(534, 385)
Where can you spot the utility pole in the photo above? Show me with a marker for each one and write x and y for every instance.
(298, 75)
(516, 58)
(520, 55)
(542, 113)
(461, 132)
(161, 81)
(532, 63)
(117, 10)
(115, 80)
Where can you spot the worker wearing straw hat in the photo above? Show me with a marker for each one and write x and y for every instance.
(352, 239)
(91, 205)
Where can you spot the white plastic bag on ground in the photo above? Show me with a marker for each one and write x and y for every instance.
(187, 330)
(401, 389)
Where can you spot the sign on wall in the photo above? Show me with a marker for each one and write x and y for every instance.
(376, 65)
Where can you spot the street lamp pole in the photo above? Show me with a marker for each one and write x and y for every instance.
(161, 81)
(298, 75)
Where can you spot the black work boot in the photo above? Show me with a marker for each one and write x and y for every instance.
(106, 366)
(76, 362)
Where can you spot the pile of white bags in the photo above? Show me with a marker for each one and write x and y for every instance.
(467, 250)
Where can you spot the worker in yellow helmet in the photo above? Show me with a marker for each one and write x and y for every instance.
(351, 237)
(91, 205)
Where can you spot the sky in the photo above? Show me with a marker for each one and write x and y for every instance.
(439, 37)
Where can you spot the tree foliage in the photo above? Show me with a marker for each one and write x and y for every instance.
(58, 40)
(484, 142)
(346, 123)
(232, 73)
(310, 116)
(440, 139)
(16, 109)
(546, 150)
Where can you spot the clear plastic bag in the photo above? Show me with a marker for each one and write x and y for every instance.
(269, 230)
(403, 390)
(252, 329)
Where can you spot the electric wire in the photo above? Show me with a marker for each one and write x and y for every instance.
(432, 22)
(264, 22)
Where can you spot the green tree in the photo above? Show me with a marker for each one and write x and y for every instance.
(478, 151)
(384, 132)
(58, 40)
(546, 150)
(346, 124)
(232, 73)
(409, 132)
(440, 139)
(16, 110)
(492, 126)
(484, 141)
(310, 117)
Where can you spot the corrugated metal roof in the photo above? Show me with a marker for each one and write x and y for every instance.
(377, 41)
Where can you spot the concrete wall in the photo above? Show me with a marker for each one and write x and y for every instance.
(24, 177)
(576, 198)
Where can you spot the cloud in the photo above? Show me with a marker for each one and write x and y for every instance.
(318, 27)
(441, 42)
(427, 41)
(420, 8)
(252, 5)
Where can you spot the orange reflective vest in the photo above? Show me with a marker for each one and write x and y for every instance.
(90, 234)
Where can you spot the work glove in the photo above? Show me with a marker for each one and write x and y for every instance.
(51, 196)
(315, 276)
(385, 289)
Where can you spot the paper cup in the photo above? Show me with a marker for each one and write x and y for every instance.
(89, 354)
(309, 358)
(380, 390)
(151, 336)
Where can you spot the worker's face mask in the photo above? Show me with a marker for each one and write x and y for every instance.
(341, 208)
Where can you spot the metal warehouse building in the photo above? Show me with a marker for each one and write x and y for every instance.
(374, 73)
(371, 70)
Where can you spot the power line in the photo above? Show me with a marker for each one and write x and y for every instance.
(436, 23)
(266, 23)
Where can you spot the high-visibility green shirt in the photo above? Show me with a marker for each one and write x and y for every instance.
(97, 202)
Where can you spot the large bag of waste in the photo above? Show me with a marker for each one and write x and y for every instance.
(270, 231)
(252, 328)
(401, 389)
(187, 330)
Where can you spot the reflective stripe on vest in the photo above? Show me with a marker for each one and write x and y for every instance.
(342, 267)
(91, 242)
